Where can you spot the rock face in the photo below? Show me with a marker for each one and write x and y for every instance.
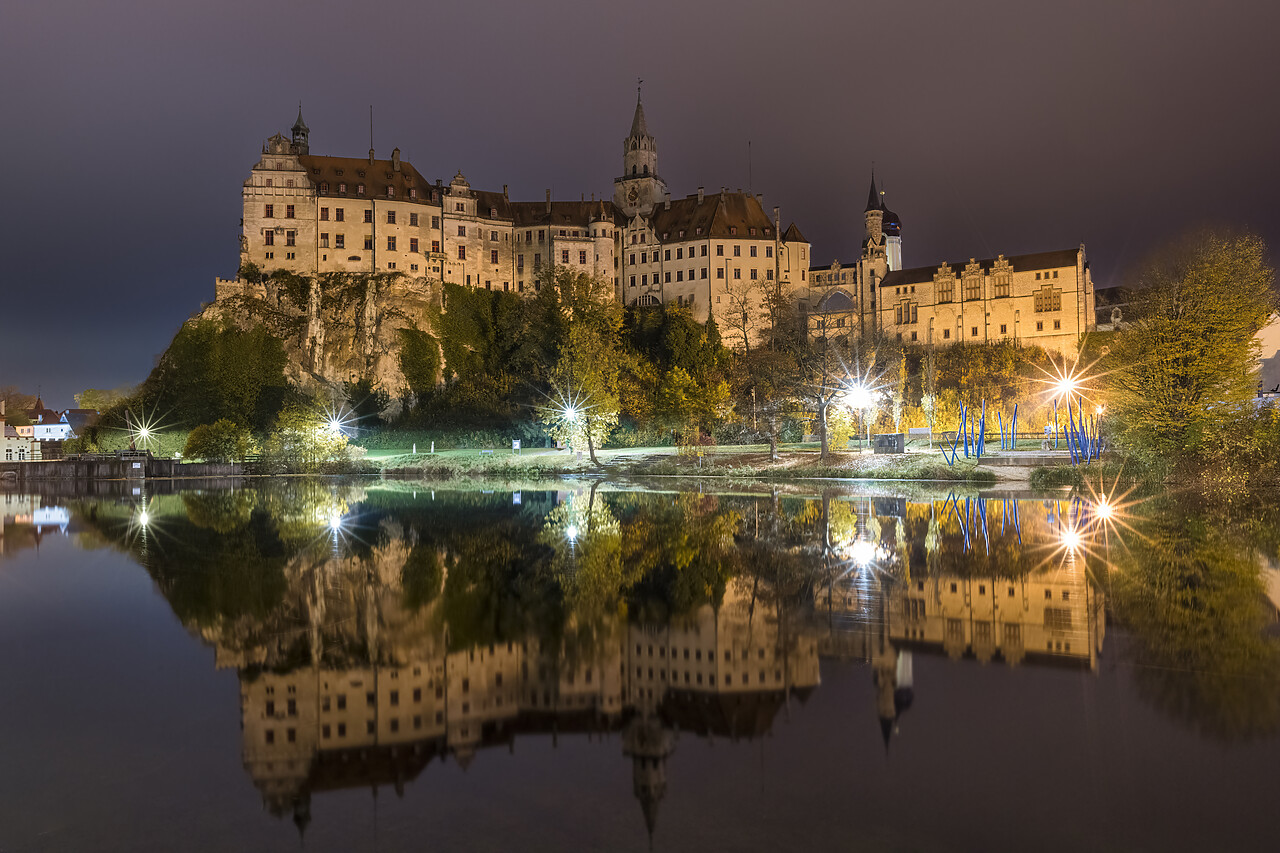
(335, 327)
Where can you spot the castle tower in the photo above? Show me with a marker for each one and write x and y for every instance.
(639, 188)
(874, 263)
(301, 134)
(647, 743)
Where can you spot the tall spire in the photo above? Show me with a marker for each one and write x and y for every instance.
(638, 126)
(873, 197)
(300, 125)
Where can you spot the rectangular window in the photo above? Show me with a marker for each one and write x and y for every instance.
(324, 214)
(324, 241)
(719, 272)
(679, 275)
(519, 262)
(413, 244)
(946, 333)
(493, 256)
(288, 211)
(339, 214)
(269, 212)
(339, 241)
(269, 238)
(391, 244)
(753, 273)
(768, 251)
(564, 256)
(1004, 330)
(1039, 325)
(435, 245)
(368, 242)
(582, 257)
(1057, 324)
(391, 217)
(737, 273)
(462, 230)
(753, 251)
(435, 222)
(737, 251)
(720, 250)
(462, 253)
(768, 274)
(413, 220)
(541, 235)
(368, 214)
(973, 331)
(493, 236)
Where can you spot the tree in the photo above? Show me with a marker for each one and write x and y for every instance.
(302, 437)
(102, 399)
(929, 388)
(1186, 368)
(579, 323)
(220, 441)
(744, 313)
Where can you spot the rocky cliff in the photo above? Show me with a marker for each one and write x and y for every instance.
(335, 327)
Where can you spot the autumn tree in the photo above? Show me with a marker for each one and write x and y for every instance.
(1186, 369)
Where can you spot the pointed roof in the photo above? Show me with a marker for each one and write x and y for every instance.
(793, 235)
(300, 125)
(873, 197)
(638, 126)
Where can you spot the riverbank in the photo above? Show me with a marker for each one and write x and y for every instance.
(728, 463)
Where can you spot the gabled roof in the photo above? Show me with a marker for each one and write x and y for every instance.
(576, 214)
(793, 235)
(717, 215)
(1020, 263)
(375, 176)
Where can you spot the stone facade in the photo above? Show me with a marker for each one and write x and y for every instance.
(716, 253)
(1044, 299)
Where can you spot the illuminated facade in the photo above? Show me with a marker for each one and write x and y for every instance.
(1044, 299)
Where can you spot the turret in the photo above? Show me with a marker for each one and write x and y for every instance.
(639, 188)
(301, 134)
(874, 217)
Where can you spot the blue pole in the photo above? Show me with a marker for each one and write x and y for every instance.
(1013, 429)
(1000, 421)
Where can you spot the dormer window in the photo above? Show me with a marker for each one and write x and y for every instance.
(766, 232)
(698, 230)
(752, 232)
(666, 234)
(391, 192)
(413, 192)
(682, 233)
(342, 188)
(359, 189)
(733, 231)
(315, 171)
(493, 213)
(324, 186)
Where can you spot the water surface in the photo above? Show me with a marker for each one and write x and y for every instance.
(367, 667)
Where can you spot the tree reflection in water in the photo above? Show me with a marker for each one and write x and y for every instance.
(424, 625)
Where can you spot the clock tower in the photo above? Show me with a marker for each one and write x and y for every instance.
(639, 189)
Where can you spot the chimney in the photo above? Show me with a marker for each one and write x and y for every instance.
(666, 201)
(760, 198)
(1, 410)
(395, 159)
(548, 201)
(700, 193)
(504, 193)
(370, 156)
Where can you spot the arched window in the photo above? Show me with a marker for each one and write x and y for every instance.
(633, 170)
(646, 170)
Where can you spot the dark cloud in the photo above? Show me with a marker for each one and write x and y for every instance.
(996, 127)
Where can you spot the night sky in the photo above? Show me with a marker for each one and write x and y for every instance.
(128, 128)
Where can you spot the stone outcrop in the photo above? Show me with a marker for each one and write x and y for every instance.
(335, 327)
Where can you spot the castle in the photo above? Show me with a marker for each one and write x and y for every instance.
(718, 254)
(1044, 299)
(714, 253)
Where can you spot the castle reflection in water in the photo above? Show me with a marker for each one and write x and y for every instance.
(347, 685)
(373, 634)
